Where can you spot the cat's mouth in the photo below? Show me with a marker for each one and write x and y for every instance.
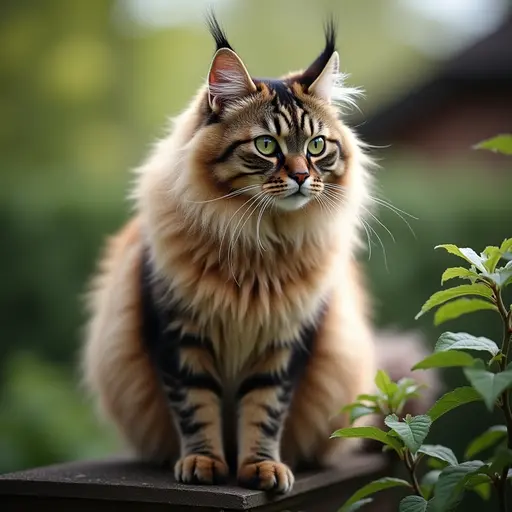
(294, 201)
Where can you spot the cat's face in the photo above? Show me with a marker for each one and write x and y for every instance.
(280, 144)
(280, 140)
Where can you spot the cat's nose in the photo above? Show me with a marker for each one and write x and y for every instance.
(300, 177)
(297, 168)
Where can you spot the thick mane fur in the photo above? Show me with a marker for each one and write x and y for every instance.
(249, 214)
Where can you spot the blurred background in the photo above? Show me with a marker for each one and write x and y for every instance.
(86, 87)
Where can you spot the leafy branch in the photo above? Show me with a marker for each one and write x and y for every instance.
(487, 368)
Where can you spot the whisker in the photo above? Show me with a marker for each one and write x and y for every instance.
(379, 222)
(392, 206)
(381, 244)
(386, 204)
(235, 193)
(397, 212)
(266, 203)
(363, 223)
(246, 203)
(236, 235)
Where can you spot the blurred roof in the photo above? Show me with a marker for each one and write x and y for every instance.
(484, 67)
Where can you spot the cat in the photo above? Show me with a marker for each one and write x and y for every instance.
(229, 319)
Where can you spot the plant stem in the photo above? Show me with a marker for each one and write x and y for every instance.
(505, 396)
(411, 468)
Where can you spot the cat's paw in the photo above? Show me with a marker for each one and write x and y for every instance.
(267, 475)
(201, 469)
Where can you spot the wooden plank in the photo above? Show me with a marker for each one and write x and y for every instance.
(100, 484)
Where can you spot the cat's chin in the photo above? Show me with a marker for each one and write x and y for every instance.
(292, 202)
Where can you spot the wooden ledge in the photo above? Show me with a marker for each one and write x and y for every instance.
(108, 485)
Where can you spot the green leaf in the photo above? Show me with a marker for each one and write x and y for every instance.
(502, 276)
(361, 410)
(489, 438)
(466, 253)
(446, 359)
(502, 458)
(464, 341)
(428, 481)
(367, 398)
(499, 144)
(385, 384)
(453, 399)
(506, 245)
(413, 504)
(439, 452)
(413, 430)
(460, 272)
(373, 487)
(459, 307)
(359, 504)
(493, 255)
(369, 433)
(407, 388)
(481, 484)
(450, 486)
(443, 296)
(489, 385)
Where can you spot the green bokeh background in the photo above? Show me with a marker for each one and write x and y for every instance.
(85, 90)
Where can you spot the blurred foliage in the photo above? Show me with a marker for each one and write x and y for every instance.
(83, 93)
(44, 418)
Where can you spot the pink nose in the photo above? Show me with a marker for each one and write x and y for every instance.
(299, 177)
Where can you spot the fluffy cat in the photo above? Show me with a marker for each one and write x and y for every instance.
(228, 318)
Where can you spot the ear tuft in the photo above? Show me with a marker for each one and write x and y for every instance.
(228, 79)
(323, 86)
(217, 32)
(320, 77)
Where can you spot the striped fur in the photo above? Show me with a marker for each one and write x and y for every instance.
(250, 265)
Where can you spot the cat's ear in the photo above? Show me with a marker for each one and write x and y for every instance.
(228, 79)
(323, 85)
(320, 77)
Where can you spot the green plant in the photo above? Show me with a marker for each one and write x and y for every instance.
(490, 381)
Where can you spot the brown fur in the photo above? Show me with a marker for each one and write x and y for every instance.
(252, 275)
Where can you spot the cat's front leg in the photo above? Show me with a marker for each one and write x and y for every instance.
(264, 398)
(194, 393)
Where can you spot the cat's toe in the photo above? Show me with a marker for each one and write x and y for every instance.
(267, 475)
(201, 469)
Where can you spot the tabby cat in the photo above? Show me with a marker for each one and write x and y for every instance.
(228, 319)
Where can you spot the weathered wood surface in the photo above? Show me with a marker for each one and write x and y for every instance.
(127, 485)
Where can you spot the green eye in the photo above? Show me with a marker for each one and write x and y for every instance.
(316, 146)
(266, 145)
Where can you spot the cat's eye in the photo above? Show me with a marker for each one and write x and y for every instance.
(266, 145)
(316, 146)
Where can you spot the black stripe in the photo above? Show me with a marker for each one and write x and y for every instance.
(190, 428)
(286, 120)
(187, 413)
(201, 381)
(256, 162)
(302, 119)
(176, 395)
(277, 126)
(258, 381)
(230, 149)
(270, 429)
(200, 446)
(275, 414)
(328, 160)
(264, 454)
(311, 126)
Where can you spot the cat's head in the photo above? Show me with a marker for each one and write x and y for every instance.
(279, 139)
